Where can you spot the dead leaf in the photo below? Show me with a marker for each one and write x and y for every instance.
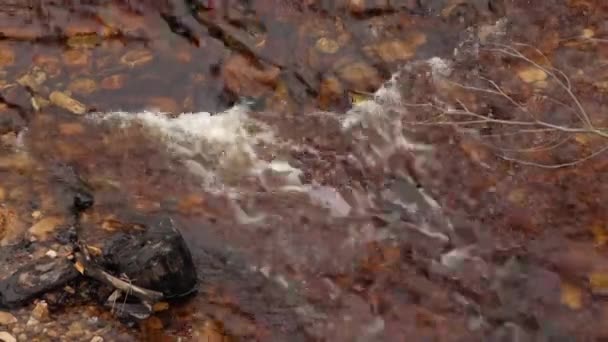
(599, 283)
(44, 227)
(571, 296)
(79, 267)
(600, 234)
(532, 74)
(93, 250)
(160, 306)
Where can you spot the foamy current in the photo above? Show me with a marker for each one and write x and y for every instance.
(339, 176)
(220, 146)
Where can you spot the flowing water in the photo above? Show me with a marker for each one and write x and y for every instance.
(276, 135)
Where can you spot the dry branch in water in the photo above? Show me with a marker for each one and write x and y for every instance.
(524, 122)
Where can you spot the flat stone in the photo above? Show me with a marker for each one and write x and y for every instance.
(6, 318)
(6, 337)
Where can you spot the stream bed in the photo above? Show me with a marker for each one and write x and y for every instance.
(340, 170)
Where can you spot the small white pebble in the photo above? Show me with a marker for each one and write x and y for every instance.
(51, 254)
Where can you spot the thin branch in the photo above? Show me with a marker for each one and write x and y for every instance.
(465, 119)
(95, 272)
(567, 86)
(556, 166)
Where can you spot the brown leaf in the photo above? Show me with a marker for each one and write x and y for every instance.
(571, 296)
(44, 227)
(599, 283)
(79, 267)
(160, 306)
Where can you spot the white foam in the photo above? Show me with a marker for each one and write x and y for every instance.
(214, 147)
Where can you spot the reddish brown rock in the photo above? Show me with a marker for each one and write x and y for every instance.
(244, 78)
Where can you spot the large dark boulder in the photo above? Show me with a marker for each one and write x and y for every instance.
(157, 259)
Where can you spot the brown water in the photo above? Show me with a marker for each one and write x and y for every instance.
(299, 207)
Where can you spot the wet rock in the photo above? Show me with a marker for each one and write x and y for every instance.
(10, 121)
(6, 318)
(6, 337)
(330, 92)
(157, 259)
(244, 78)
(360, 76)
(34, 279)
(64, 101)
(397, 50)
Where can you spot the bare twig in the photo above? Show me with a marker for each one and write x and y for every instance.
(557, 166)
(463, 118)
(95, 272)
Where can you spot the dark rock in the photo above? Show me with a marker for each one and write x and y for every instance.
(83, 200)
(35, 279)
(157, 259)
(11, 121)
